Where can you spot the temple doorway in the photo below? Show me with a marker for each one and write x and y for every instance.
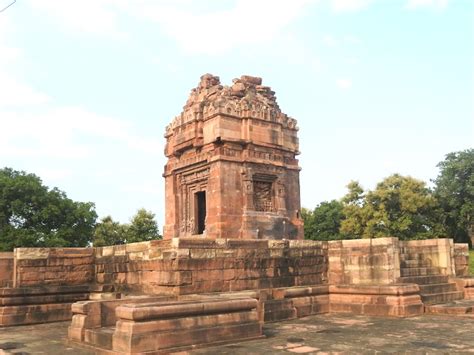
(200, 203)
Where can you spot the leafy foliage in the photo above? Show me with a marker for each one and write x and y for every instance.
(143, 227)
(109, 232)
(455, 192)
(324, 221)
(400, 206)
(31, 215)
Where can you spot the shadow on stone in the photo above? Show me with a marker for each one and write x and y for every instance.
(11, 346)
(428, 344)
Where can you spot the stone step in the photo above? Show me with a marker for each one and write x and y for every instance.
(424, 280)
(419, 271)
(415, 263)
(437, 288)
(435, 298)
(101, 337)
(458, 308)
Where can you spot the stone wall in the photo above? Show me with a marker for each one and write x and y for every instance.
(6, 269)
(439, 252)
(198, 265)
(185, 266)
(364, 261)
(461, 259)
(53, 266)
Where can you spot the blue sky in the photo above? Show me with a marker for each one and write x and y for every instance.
(87, 87)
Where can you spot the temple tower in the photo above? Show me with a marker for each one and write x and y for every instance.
(232, 170)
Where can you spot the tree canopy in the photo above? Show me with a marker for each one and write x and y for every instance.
(109, 232)
(400, 206)
(32, 215)
(455, 192)
(143, 227)
(324, 221)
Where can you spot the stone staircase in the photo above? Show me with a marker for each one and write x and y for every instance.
(435, 288)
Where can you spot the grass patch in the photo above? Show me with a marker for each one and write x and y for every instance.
(471, 262)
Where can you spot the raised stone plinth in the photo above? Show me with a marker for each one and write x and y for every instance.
(91, 315)
(30, 305)
(160, 327)
(378, 300)
(466, 286)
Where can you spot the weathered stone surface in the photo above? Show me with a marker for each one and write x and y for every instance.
(232, 170)
(201, 265)
(169, 325)
(387, 300)
(364, 261)
(6, 269)
(461, 259)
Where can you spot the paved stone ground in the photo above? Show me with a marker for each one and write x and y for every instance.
(312, 335)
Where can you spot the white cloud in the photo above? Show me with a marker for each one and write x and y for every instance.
(434, 4)
(149, 188)
(63, 132)
(214, 32)
(344, 84)
(28, 129)
(13, 92)
(351, 39)
(349, 5)
(333, 41)
(98, 17)
(199, 29)
(330, 41)
(16, 93)
(54, 174)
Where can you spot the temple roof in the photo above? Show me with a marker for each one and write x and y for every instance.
(246, 97)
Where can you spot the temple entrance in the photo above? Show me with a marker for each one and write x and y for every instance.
(200, 214)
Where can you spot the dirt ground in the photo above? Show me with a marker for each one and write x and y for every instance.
(323, 334)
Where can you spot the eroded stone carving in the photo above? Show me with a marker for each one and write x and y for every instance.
(233, 151)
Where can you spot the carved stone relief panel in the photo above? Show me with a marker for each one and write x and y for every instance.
(263, 196)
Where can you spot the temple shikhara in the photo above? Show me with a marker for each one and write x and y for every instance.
(232, 170)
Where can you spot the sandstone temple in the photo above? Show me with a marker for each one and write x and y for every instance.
(233, 257)
(232, 167)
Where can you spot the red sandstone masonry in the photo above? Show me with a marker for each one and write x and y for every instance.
(190, 265)
(170, 325)
(364, 261)
(6, 269)
(461, 259)
(438, 252)
(466, 285)
(53, 266)
(387, 300)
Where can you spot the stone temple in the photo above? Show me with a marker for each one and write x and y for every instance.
(232, 170)
(233, 258)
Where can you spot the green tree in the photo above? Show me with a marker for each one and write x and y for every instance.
(324, 221)
(400, 206)
(143, 227)
(32, 215)
(355, 215)
(109, 232)
(455, 192)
